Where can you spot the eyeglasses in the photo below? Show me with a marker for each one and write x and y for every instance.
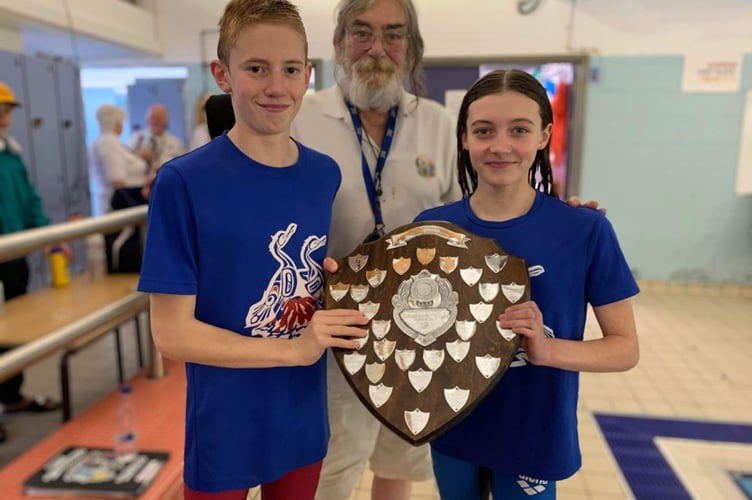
(363, 38)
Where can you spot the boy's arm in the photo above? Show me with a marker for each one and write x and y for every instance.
(179, 335)
(617, 350)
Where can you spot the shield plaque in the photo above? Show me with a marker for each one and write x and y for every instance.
(432, 292)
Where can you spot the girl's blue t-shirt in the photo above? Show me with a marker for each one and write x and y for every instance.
(528, 423)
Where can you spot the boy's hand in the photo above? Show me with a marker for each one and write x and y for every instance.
(574, 201)
(330, 265)
(332, 328)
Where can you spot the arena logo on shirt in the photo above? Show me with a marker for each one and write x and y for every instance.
(530, 485)
(294, 291)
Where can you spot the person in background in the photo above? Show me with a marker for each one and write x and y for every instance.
(117, 173)
(20, 209)
(155, 144)
(504, 169)
(200, 134)
(238, 297)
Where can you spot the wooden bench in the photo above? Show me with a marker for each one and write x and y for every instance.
(160, 408)
(32, 316)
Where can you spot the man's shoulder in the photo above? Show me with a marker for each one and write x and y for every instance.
(423, 107)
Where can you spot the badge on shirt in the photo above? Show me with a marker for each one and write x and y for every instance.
(425, 165)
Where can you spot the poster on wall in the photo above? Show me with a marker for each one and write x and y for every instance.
(744, 168)
(712, 72)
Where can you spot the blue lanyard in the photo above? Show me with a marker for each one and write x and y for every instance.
(373, 184)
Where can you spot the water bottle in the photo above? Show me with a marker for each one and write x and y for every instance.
(96, 258)
(125, 422)
(59, 267)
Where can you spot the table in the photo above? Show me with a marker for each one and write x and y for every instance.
(31, 317)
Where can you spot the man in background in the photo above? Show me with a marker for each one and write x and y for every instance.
(156, 145)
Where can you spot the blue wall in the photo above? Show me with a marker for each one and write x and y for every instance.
(664, 164)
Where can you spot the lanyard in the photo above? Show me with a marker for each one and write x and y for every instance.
(373, 183)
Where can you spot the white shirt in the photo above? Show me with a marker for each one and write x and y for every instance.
(420, 170)
(165, 147)
(110, 160)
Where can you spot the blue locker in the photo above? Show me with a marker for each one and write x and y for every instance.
(46, 141)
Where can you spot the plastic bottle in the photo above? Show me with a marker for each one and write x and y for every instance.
(125, 423)
(59, 267)
(96, 258)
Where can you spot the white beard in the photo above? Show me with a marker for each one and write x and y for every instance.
(371, 84)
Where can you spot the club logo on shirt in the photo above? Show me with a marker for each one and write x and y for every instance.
(425, 165)
(294, 292)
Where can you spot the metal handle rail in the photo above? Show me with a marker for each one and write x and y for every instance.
(20, 357)
(24, 242)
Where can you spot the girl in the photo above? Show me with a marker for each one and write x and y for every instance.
(523, 436)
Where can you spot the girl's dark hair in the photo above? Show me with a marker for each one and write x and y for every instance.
(497, 82)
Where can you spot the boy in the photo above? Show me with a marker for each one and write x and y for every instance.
(237, 234)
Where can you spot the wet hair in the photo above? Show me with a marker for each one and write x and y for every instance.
(496, 82)
(241, 14)
(348, 10)
(109, 115)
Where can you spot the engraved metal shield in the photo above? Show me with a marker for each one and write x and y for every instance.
(432, 292)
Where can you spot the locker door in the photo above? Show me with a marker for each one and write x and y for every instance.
(45, 152)
(46, 143)
(72, 134)
(12, 67)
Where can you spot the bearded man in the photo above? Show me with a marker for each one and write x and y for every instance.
(397, 153)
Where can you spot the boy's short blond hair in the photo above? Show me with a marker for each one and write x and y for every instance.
(240, 14)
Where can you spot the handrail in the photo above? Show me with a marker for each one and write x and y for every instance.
(21, 243)
(15, 360)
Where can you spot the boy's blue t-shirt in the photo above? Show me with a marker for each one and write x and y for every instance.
(528, 423)
(248, 240)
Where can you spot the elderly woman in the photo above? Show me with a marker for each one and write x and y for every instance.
(117, 173)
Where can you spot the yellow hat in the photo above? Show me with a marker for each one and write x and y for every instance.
(7, 96)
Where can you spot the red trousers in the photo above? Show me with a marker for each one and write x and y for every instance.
(299, 484)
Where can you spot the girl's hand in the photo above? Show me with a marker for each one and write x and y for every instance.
(526, 320)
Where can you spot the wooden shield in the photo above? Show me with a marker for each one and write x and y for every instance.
(433, 293)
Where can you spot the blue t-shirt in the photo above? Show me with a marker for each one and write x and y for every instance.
(528, 423)
(248, 240)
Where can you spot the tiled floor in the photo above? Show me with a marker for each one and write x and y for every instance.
(695, 366)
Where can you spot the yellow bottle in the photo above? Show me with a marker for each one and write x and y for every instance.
(59, 268)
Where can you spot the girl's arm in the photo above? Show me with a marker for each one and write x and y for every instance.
(617, 350)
